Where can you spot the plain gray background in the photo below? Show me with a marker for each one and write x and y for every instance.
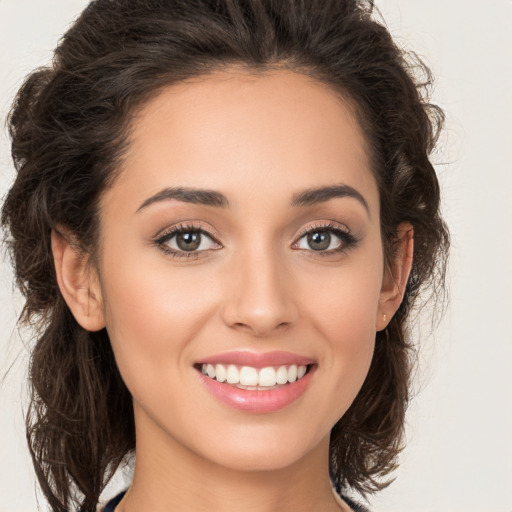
(459, 454)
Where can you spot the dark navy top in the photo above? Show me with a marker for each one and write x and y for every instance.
(112, 504)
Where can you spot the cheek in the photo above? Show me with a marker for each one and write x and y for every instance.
(344, 302)
(343, 310)
(151, 316)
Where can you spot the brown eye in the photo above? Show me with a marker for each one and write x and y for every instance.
(322, 240)
(188, 241)
(325, 240)
(319, 241)
(184, 240)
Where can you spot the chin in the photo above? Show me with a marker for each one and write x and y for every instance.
(252, 451)
(262, 461)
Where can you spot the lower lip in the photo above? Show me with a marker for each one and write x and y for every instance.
(258, 401)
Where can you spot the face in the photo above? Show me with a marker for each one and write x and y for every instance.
(241, 242)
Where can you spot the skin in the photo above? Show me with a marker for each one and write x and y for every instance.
(260, 140)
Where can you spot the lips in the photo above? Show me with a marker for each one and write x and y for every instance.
(258, 360)
(253, 382)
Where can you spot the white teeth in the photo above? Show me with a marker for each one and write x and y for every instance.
(210, 370)
(232, 374)
(292, 373)
(248, 376)
(220, 373)
(267, 377)
(282, 375)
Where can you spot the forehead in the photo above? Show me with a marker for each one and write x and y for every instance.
(242, 131)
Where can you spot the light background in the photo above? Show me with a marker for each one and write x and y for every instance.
(459, 455)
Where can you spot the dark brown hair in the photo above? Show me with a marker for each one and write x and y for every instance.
(69, 127)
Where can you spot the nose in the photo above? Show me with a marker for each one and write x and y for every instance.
(260, 298)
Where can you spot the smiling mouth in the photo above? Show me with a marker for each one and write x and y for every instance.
(251, 378)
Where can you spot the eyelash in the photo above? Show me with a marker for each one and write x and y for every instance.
(164, 238)
(348, 240)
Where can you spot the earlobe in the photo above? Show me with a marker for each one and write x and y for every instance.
(396, 275)
(78, 282)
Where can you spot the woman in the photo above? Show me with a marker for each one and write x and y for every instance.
(223, 215)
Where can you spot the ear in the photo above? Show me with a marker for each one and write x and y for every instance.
(396, 274)
(78, 282)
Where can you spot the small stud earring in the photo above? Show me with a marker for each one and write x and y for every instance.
(385, 317)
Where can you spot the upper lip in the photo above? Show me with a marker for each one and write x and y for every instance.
(257, 359)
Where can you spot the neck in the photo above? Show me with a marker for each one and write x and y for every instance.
(168, 476)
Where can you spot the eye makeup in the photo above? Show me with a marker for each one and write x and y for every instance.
(325, 239)
(186, 240)
(191, 240)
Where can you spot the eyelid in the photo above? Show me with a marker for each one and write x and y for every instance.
(348, 239)
(167, 234)
(184, 226)
(325, 226)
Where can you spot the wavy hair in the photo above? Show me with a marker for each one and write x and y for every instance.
(70, 125)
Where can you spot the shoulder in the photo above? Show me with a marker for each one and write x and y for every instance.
(355, 506)
(112, 504)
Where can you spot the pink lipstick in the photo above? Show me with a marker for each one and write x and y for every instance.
(256, 382)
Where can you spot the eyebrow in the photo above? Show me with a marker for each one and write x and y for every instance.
(309, 197)
(188, 195)
(314, 196)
